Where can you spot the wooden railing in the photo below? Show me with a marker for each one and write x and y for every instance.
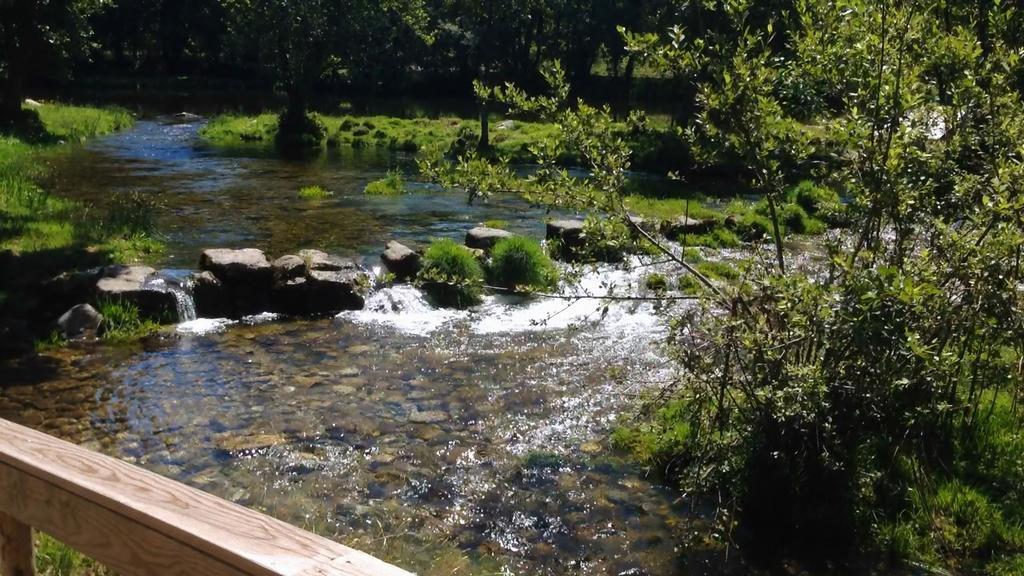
(137, 522)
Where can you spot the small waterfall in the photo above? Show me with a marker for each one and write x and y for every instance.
(182, 292)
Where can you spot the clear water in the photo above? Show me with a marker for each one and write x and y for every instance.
(449, 442)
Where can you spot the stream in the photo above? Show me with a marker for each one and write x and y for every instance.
(447, 442)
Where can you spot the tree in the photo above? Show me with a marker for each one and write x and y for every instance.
(35, 36)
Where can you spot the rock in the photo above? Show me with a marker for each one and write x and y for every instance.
(322, 261)
(590, 448)
(127, 283)
(505, 125)
(66, 290)
(568, 232)
(649, 226)
(247, 443)
(289, 297)
(428, 417)
(732, 221)
(686, 225)
(330, 292)
(401, 261)
(80, 320)
(211, 298)
(32, 103)
(245, 273)
(185, 118)
(484, 238)
(288, 268)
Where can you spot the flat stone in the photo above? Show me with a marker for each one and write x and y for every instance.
(686, 225)
(569, 232)
(288, 268)
(401, 260)
(484, 238)
(233, 443)
(246, 274)
(324, 262)
(127, 283)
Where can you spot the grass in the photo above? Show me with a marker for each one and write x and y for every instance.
(497, 224)
(313, 192)
(390, 185)
(520, 263)
(123, 322)
(54, 558)
(451, 274)
(77, 123)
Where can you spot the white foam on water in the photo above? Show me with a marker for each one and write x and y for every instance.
(406, 309)
(201, 326)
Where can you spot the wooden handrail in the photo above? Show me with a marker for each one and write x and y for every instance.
(138, 522)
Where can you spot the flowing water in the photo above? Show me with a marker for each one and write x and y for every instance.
(447, 441)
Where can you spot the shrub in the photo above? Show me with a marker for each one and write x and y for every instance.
(520, 263)
(451, 274)
(297, 133)
(688, 284)
(390, 185)
(498, 224)
(717, 238)
(346, 125)
(313, 192)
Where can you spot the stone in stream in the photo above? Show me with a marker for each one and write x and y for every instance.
(686, 225)
(401, 261)
(315, 283)
(80, 320)
(568, 232)
(484, 238)
(245, 273)
(211, 297)
(127, 283)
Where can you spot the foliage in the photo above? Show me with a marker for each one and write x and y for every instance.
(519, 263)
(54, 558)
(451, 274)
(314, 192)
(390, 185)
(122, 321)
(656, 282)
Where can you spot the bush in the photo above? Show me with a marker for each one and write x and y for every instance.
(520, 263)
(390, 185)
(298, 133)
(451, 274)
(313, 192)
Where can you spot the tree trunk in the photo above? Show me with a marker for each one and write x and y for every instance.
(485, 132)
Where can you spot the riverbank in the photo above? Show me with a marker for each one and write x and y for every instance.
(42, 235)
(654, 147)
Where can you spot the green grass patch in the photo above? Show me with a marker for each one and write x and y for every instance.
(391, 185)
(77, 123)
(669, 208)
(497, 224)
(313, 192)
(520, 263)
(122, 321)
(656, 282)
(54, 558)
(451, 274)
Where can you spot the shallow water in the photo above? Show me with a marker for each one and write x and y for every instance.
(446, 441)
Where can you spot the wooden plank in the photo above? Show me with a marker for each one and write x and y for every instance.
(80, 488)
(16, 554)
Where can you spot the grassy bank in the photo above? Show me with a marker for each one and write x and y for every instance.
(654, 148)
(42, 235)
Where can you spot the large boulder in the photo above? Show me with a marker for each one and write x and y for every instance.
(330, 292)
(401, 261)
(79, 321)
(66, 290)
(245, 273)
(210, 296)
(484, 238)
(128, 284)
(686, 225)
(315, 283)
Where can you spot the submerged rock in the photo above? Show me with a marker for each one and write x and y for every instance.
(246, 274)
(484, 238)
(401, 261)
(127, 283)
(80, 320)
(428, 417)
